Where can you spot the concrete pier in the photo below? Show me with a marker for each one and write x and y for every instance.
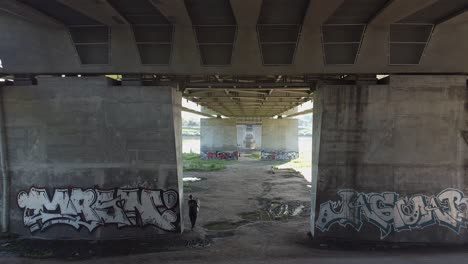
(280, 139)
(89, 160)
(218, 138)
(390, 162)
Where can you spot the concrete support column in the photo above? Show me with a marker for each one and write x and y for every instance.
(280, 139)
(93, 161)
(390, 162)
(218, 138)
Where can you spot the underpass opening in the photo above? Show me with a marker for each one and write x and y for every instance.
(251, 167)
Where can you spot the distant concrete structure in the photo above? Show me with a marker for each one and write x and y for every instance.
(218, 138)
(88, 160)
(249, 137)
(280, 139)
(390, 161)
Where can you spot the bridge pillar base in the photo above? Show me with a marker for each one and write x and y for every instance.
(89, 160)
(390, 162)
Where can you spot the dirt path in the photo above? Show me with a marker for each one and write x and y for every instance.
(249, 196)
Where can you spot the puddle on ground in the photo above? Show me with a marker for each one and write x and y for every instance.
(259, 215)
(276, 210)
(191, 179)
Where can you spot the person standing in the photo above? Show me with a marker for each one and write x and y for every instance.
(194, 207)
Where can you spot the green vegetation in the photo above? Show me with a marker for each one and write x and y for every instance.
(193, 162)
(295, 164)
(190, 131)
(255, 155)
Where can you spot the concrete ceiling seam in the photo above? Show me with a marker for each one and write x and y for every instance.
(215, 29)
(343, 32)
(91, 38)
(152, 32)
(410, 36)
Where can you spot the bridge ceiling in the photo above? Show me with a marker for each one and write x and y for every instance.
(410, 36)
(152, 31)
(343, 31)
(90, 37)
(234, 37)
(215, 28)
(254, 97)
(279, 27)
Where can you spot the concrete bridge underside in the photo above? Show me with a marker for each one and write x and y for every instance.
(88, 157)
(234, 37)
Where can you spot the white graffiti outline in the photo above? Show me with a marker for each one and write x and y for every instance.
(390, 213)
(93, 208)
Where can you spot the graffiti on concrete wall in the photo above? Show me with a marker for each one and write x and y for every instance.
(92, 208)
(279, 155)
(225, 155)
(389, 212)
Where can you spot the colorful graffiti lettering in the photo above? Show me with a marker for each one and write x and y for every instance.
(92, 208)
(280, 155)
(390, 213)
(226, 155)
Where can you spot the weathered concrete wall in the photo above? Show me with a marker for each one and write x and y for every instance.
(390, 161)
(218, 134)
(90, 160)
(280, 134)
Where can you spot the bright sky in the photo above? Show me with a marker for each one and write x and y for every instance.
(191, 105)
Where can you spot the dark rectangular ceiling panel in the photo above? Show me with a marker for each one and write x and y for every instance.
(151, 53)
(406, 53)
(215, 54)
(410, 36)
(274, 34)
(90, 37)
(215, 34)
(410, 33)
(278, 54)
(343, 31)
(93, 54)
(279, 27)
(152, 30)
(215, 28)
(408, 41)
(341, 53)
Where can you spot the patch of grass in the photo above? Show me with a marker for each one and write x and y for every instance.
(193, 162)
(295, 164)
(255, 155)
(190, 131)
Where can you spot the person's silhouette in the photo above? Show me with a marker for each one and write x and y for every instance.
(194, 206)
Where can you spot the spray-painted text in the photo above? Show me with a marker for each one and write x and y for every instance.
(92, 208)
(389, 212)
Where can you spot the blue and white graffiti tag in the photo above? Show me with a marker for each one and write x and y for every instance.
(389, 212)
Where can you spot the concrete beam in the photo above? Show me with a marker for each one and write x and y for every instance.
(185, 109)
(100, 11)
(305, 112)
(25, 12)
